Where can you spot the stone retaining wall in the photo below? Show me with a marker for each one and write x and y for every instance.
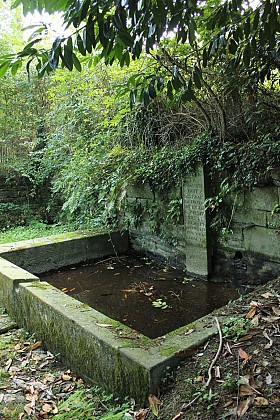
(249, 254)
(53, 252)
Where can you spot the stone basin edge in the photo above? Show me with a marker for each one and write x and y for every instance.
(100, 349)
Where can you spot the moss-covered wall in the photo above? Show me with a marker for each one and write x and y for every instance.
(249, 253)
(153, 229)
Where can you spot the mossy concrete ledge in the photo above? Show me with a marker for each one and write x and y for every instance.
(53, 252)
(98, 348)
(10, 277)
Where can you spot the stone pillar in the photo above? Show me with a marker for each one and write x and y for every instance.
(198, 248)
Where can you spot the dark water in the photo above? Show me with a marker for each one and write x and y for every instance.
(125, 288)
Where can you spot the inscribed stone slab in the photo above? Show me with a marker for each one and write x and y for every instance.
(196, 228)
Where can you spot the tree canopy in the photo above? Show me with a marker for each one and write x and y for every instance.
(232, 32)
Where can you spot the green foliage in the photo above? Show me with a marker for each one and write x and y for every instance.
(34, 229)
(236, 328)
(231, 39)
(88, 403)
(12, 214)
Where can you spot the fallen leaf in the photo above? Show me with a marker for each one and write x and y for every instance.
(267, 295)
(66, 377)
(130, 290)
(252, 312)
(268, 345)
(13, 370)
(28, 409)
(64, 289)
(246, 337)
(244, 355)
(255, 320)
(42, 365)
(48, 378)
(154, 403)
(9, 363)
(47, 408)
(227, 404)
(35, 346)
(245, 390)
(141, 415)
(254, 303)
(276, 310)
(200, 378)
(268, 379)
(270, 319)
(244, 406)
(55, 409)
(261, 402)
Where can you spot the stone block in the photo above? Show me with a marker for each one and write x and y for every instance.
(234, 239)
(263, 241)
(262, 198)
(247, 216)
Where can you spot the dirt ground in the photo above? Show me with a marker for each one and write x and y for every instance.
(234, 375)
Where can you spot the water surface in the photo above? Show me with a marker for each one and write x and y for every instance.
(128, 288)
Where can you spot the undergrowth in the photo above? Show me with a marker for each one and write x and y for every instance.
(34, 230)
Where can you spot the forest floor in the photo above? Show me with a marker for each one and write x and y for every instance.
(236, 374)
